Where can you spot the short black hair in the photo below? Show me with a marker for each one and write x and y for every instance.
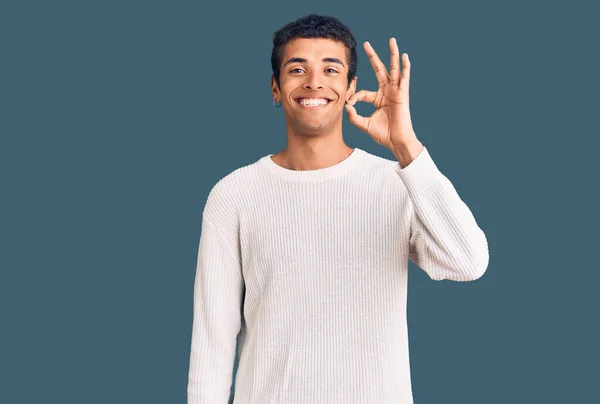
(314, 26)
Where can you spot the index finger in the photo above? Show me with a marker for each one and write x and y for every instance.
(380, 71)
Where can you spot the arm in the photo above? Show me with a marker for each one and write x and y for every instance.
(218, 295)
(445, 240)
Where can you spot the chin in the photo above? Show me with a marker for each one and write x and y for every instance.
(312, 126)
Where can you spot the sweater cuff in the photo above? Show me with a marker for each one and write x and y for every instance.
(421, 174)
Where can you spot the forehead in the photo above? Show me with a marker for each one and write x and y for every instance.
(314, 49)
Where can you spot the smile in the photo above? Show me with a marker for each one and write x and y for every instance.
(318, 103)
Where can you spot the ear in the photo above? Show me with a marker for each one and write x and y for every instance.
(351, 88)
(274, 89)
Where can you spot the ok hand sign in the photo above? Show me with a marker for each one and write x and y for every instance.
(390, 125)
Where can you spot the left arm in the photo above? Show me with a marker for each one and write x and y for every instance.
(445, 240)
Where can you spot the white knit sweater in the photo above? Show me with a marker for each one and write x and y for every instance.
(311, 266)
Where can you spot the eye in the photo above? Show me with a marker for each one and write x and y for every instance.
(333, 70)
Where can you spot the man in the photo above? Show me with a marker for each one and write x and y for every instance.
(305, 253)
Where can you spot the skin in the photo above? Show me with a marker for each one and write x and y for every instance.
(315, 137)
(390, 125)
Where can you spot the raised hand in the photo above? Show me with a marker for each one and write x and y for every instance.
(390, 125)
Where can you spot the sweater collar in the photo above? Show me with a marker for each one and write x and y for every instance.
(316, 175)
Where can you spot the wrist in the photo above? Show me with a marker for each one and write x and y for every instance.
(405, 154)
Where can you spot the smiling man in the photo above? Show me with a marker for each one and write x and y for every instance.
(303, 255)
(309, 93)
(313, 84)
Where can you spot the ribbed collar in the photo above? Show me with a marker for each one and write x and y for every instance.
(317, 175)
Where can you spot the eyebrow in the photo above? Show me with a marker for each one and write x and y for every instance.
(302, 60)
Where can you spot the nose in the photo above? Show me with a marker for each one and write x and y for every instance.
(313, 82)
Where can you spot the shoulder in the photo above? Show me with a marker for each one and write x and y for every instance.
(380, 174)
(378, 161)
(380, 167)
(227, 195)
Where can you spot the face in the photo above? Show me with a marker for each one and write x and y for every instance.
(313, 84)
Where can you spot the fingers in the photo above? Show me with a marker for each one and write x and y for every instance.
(394, 63)
(405, 82)
(380, 70)
(360, 121)
(363, 95)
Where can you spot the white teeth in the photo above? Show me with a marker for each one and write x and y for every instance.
(313, 102)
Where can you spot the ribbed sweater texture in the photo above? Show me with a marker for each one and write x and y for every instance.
(305, 272)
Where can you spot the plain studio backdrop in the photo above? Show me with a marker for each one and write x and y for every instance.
(117, 117)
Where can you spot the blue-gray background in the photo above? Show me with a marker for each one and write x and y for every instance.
(117, 117)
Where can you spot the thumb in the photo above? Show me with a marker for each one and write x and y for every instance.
(359, 121)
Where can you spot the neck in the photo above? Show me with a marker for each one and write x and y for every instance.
(312, 154)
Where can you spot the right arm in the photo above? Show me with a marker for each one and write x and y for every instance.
(218, 296)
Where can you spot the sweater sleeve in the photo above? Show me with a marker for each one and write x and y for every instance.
(445, 240)
(218, 296)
